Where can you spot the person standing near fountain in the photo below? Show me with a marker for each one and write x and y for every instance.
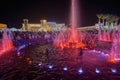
(80, 55)
(80, 52)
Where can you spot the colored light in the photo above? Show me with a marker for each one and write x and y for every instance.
(80, 71)
(97, 71)
(50, 66)
(65, 68)
(113, 70)
(18, 53)
(40, 64)
(21, 47)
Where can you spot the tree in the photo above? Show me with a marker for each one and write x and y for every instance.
(104, 17)
(107, 19)
(99, 17)
(116, 20)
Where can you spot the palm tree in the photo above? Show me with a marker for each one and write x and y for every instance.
(112, 19)
(99, 17)
(116, 20)
(104, 17)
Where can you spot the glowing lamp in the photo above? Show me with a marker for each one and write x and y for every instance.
(50, 66)
(97, 71)
(80, 71)
(113, 70)
(65, 68)
(40, 64)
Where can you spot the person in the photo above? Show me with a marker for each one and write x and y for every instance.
(80, 57)
(80, 52)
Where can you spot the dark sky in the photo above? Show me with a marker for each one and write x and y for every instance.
(12, 12)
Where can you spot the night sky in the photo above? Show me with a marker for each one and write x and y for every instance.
(12, 12)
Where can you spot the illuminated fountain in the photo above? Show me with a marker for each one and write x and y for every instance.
(104, 36)
(6, 41)
(115, 51)
(71, 38)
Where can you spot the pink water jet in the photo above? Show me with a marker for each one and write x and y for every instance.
(6, 41)
(115, 50)
(71, 38)
(104, 36)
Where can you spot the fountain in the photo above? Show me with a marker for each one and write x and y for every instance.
(104, 36)
(71, 38)
(6, 41)
(115, 51)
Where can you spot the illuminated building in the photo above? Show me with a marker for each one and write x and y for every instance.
(42, 26)
(2, 26)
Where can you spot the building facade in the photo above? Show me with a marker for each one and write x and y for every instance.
(42, 26)
(2, 26)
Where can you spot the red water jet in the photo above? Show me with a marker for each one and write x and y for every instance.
(71, 38)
